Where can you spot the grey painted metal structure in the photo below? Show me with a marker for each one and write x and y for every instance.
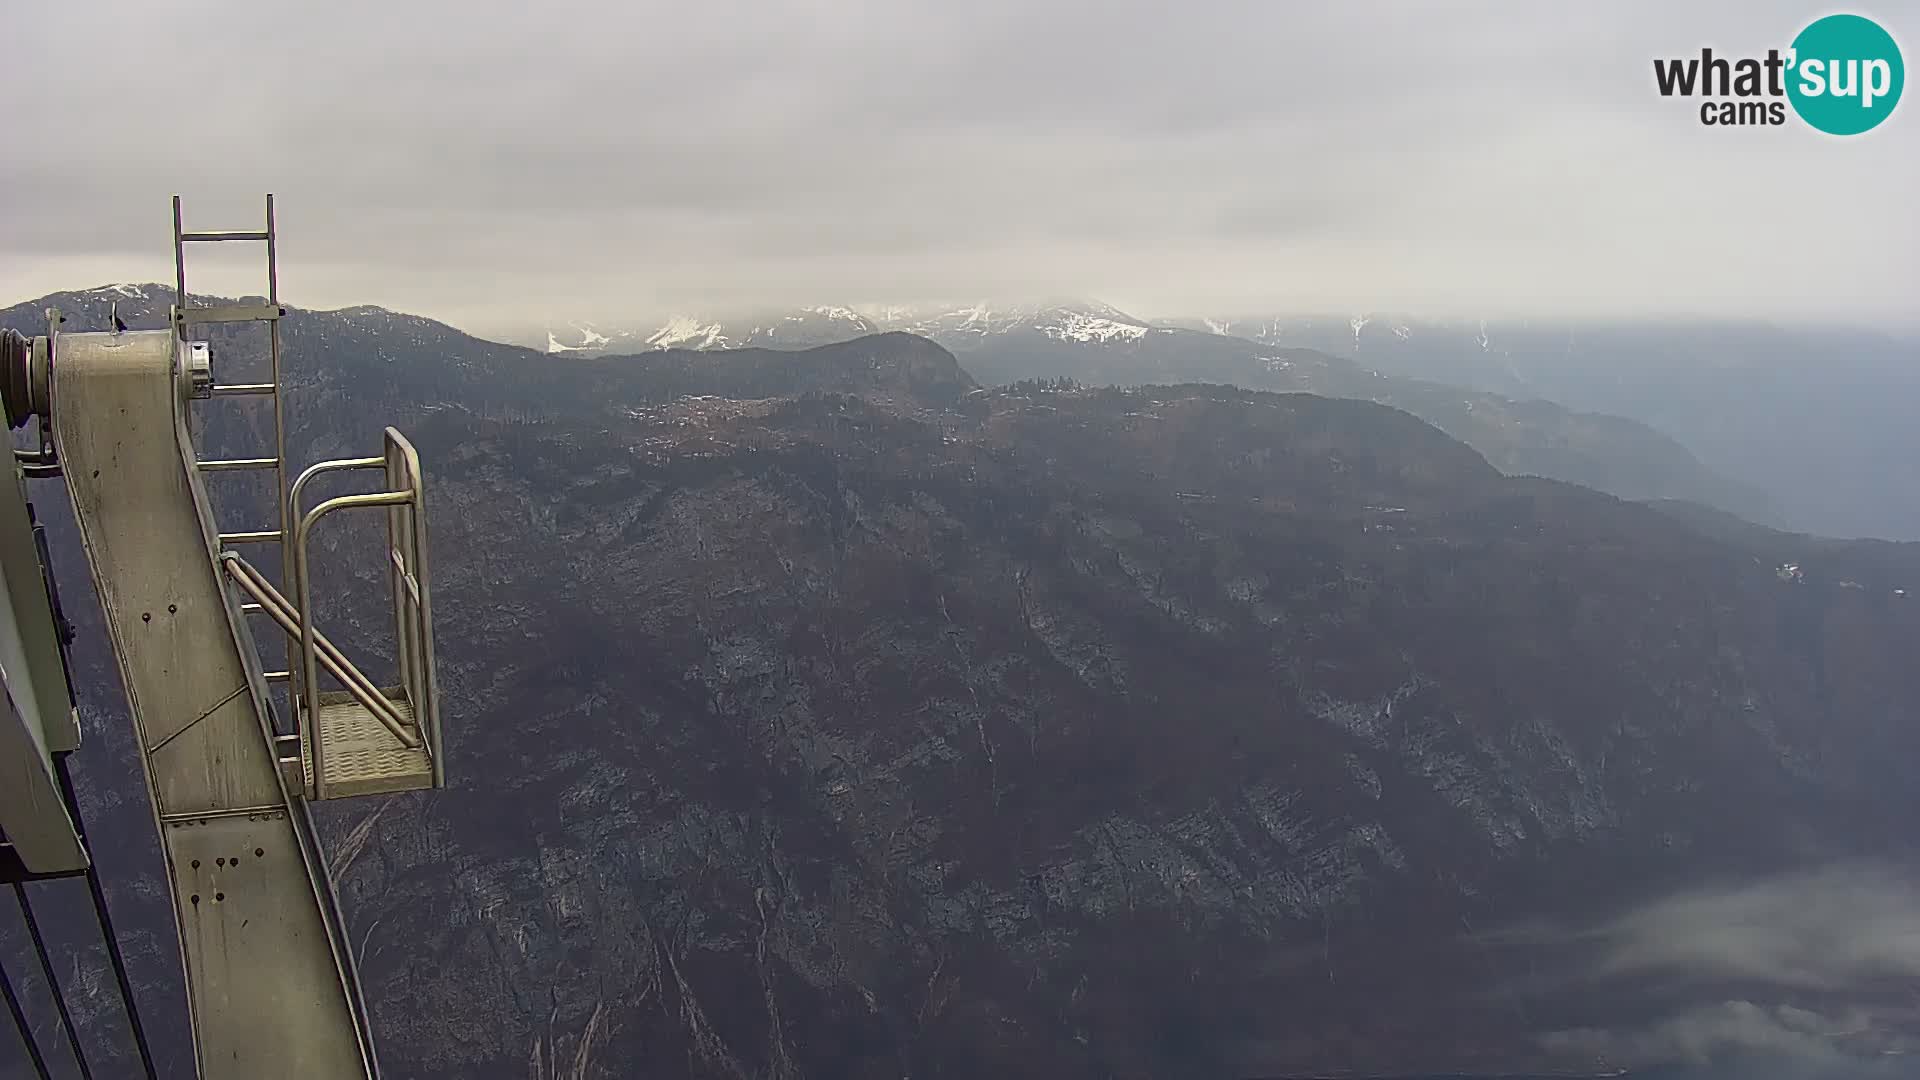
(37, 718)
(270, 985)
(272, 989)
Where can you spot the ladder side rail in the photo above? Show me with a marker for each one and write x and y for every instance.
(179, 264)
(279, 395)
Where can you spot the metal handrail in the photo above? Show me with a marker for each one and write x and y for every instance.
(407, 551)
(302, 692)
(308, 672)
(413, 636)
(282, 611)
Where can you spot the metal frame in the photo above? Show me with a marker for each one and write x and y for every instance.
(33, 393)
(270, 313)
(37, 718)
(412, 608)
(407, 558)
(271, 982)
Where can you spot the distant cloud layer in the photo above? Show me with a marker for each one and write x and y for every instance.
(495, 163)
(1793, 1041)
(1806, 971)
(1827, 929)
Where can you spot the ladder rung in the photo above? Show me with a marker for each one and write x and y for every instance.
(232, 313)
(229, 464)
(248, 607)
(264, 536)
(225, 234)
(234, 389)
(278, 676)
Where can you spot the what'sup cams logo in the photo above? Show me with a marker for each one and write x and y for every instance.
(1842, 75)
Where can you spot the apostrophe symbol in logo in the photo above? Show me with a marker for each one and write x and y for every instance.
(1844, 74)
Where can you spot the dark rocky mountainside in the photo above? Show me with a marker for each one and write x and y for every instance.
(817, 715)
(1524, 435)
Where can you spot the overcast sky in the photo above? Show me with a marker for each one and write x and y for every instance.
(493, 163)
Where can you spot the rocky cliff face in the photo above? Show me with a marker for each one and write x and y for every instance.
(815, 715)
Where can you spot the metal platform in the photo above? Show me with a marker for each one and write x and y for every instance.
(359, 755)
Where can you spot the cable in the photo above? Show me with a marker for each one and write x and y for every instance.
(20, 1025)
(53, 983)
(65, 635)
(106, 923)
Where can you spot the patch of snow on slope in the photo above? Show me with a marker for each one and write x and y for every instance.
(892, 314)
(979, 317)
(554, 346)
(843, 314)
(684, 332)
(1077, 327)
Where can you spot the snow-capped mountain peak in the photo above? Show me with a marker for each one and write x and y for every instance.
(1076, 320)
(1075, 326)
(685, 332)
(839, 314)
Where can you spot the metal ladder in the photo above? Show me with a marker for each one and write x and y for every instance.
(365, 739)
(185, 315)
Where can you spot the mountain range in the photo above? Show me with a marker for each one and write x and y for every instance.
(826, 713)
(956, 327)
(1809, 429)
(1097, 344)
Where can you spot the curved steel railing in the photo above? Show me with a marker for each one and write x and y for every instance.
(412, 607)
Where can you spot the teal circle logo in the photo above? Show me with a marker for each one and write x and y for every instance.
(1845, 74)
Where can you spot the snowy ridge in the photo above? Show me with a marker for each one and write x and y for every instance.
(956, 326)
(683, 332)
(1092, 328)
(1080, 321)
(586, 337)
(847, 315)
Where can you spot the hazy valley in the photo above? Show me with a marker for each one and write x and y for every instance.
(828, 713)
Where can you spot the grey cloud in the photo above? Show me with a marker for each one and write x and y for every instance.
(1839, 926)
(489, 162)
(1825, 929)
(1811, 969)
(1795, 1042)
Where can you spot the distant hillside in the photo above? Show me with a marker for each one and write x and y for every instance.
(1099, 345)
(1820, 419)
